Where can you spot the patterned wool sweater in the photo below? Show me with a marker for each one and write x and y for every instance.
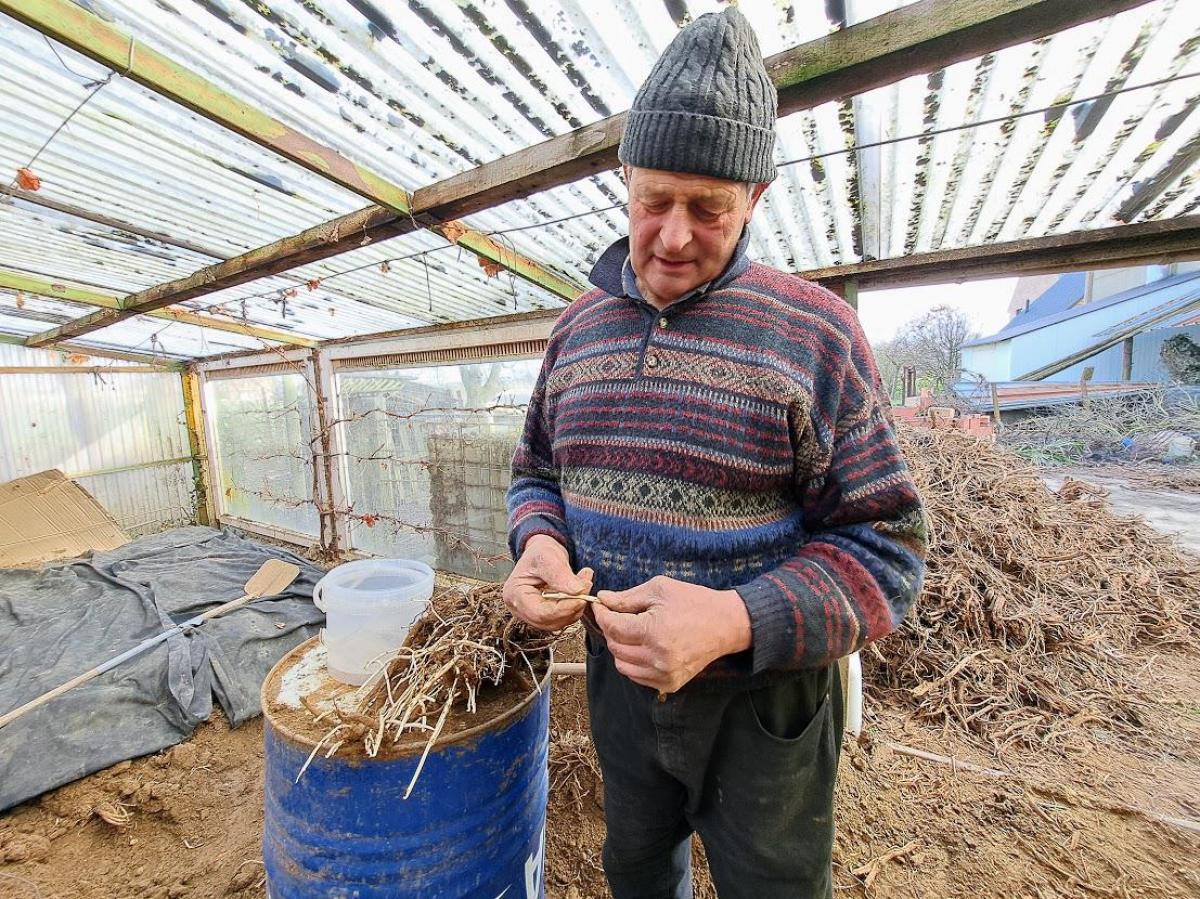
(738, 439)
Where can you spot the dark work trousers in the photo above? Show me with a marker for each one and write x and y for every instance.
(751, 771)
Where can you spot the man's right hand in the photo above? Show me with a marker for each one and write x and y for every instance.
(545, 566)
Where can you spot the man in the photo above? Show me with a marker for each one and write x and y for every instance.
(709, 446)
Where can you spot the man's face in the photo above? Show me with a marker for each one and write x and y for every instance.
(683, 228)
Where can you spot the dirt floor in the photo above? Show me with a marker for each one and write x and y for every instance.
(1083, 819)
(906, 827)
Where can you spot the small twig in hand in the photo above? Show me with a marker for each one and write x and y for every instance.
(584, 596)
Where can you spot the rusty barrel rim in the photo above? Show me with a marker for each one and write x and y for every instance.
(492, 724)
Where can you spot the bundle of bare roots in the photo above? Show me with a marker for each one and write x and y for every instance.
(574, 766)
(1036, 604)
(466, 641)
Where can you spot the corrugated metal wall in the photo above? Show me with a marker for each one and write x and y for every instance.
(1147, 363)
(1106, 368)
(1147, 366)
(121, 435)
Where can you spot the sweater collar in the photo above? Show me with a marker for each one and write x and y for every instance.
(613, 272)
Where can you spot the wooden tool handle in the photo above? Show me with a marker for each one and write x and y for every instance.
(56, 692)
(225, 607)
(271, 579)
(74, 682)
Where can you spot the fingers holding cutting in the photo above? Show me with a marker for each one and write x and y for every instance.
(545, 566)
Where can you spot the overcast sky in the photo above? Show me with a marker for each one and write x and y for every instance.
(884, 312)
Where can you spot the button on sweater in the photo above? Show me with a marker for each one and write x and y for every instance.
(738, 439)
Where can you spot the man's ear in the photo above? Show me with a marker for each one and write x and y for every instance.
(756, 192)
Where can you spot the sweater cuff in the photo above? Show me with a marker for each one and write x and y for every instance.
(772, 625)
(538, 524)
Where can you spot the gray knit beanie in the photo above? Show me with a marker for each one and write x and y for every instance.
(708, 106)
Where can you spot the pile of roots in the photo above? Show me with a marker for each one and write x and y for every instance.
(1035, 603)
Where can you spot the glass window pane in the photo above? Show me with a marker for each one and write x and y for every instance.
(429, 452)
(263, 429)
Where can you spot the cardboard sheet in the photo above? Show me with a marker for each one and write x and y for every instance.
(47, 516)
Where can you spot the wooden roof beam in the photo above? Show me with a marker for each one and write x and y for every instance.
(915, 39)
(74, 294)
(1146, 243)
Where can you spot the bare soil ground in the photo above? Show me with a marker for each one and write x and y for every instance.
(187, 822)
(1167, 496)
(906, 828)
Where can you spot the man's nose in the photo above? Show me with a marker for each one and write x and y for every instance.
(676, 232)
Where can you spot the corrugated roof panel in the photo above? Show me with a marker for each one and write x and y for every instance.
(152, 336)
(23, 355)
(40, 309)
(1107, 162)
(54, 246)
(134, 156)
(356, 297)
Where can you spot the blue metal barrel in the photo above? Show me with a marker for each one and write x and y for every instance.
(474, 825)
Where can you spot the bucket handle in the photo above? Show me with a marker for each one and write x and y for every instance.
(317, 596)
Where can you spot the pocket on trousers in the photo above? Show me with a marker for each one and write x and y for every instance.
(787, 720)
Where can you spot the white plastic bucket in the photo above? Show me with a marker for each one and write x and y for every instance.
(369, 606)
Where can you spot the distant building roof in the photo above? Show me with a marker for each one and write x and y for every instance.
(1064, 293)
(1058, 309)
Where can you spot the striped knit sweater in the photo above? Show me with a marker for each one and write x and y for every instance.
(738, 439)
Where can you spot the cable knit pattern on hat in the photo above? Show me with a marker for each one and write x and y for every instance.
(708, 106)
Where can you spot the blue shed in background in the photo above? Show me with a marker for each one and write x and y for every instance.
(1045, 339)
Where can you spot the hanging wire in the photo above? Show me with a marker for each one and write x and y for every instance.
(428, 283)
(6, 194)
(88, 79)
(507, 243)
(992, 121)
(559, 221)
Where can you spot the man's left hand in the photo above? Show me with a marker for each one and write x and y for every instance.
(663, 633)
